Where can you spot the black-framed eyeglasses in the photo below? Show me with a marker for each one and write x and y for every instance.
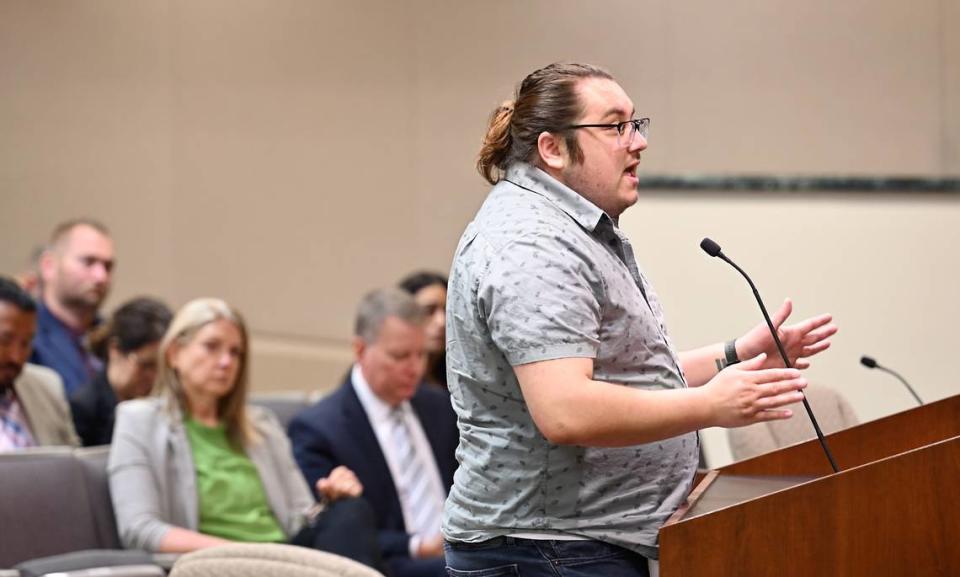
(626, 130)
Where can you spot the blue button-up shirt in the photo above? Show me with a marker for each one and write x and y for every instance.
(57, 346)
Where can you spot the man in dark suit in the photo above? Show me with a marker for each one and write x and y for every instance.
(398, 437)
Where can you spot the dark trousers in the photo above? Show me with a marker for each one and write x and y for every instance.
(508, 556)
(407, 567)
(345, 528)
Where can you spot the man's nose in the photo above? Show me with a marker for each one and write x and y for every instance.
(101, 272)
(639, 143)
(417, 363)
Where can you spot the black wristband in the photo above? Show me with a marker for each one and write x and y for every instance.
(730, 352)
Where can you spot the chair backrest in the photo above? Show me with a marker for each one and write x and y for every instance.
(94, 463)
(284, 405)
(832, 410)
(44, 506)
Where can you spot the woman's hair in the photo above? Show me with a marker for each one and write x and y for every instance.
(546, 101)
(137, 323)
(188, 321)
(413, 282)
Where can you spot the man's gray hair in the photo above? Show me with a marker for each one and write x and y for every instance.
(380, 304)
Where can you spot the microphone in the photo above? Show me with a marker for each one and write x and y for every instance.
(870, 363)
(713, 249)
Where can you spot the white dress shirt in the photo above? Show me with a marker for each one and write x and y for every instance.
(378, 413)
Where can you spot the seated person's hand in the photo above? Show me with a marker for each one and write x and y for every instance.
(341, 482)
(431, 547)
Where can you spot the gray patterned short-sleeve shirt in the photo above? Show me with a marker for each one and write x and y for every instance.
(541, 273)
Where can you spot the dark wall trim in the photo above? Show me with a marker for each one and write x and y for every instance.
(803, 184)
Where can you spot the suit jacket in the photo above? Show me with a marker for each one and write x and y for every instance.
(40, 394)
(336, 431)
(153, 478)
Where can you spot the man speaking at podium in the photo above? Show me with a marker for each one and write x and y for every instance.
(578, 420)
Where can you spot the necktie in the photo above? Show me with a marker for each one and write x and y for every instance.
(413, 482)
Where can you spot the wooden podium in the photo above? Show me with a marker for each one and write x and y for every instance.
(893, 509)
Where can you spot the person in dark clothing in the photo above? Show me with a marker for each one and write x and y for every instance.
(127, 345)
(76, 272)
(429, 289)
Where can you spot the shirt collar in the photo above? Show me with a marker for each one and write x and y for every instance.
(8, 396)
(529, 177)
(376, 408)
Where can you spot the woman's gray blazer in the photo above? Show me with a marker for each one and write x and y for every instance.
(153, 479)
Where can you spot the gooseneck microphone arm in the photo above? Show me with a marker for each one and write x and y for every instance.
(870, 363)
(713, 249)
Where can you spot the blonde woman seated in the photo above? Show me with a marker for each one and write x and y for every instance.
(194, 466)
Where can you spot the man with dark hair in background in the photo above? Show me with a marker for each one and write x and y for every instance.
(578, 419)
(33, 408)
(76, 272)
(429, 289)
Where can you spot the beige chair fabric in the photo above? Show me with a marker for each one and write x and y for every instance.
(267, 560)
(833, 412)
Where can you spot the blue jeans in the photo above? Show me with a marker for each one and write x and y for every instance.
(535, 558)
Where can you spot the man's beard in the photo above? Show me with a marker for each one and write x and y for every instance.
(7, 384)
(80, 301)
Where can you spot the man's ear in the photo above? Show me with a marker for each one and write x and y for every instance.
(359, 346)
(48, 263)
(553, 150)
(113, 349)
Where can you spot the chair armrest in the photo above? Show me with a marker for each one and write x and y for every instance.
(92, 562)
(165, 560)
(118, 571)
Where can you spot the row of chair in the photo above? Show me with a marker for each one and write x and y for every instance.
(56, 500)
(56, 517)
(56, 513)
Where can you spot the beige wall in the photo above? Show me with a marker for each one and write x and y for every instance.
(289, 155)
(885, 268)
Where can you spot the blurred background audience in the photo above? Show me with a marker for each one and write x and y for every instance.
(429, 289)
(33, 409)
(127, 345)
(399, 435)
(194, 466)
(76, 272)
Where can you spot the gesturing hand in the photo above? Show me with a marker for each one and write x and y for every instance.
(800, 341)
(341, 482)
(746, 393)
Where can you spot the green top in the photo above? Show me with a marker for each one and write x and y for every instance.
(232, 502)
